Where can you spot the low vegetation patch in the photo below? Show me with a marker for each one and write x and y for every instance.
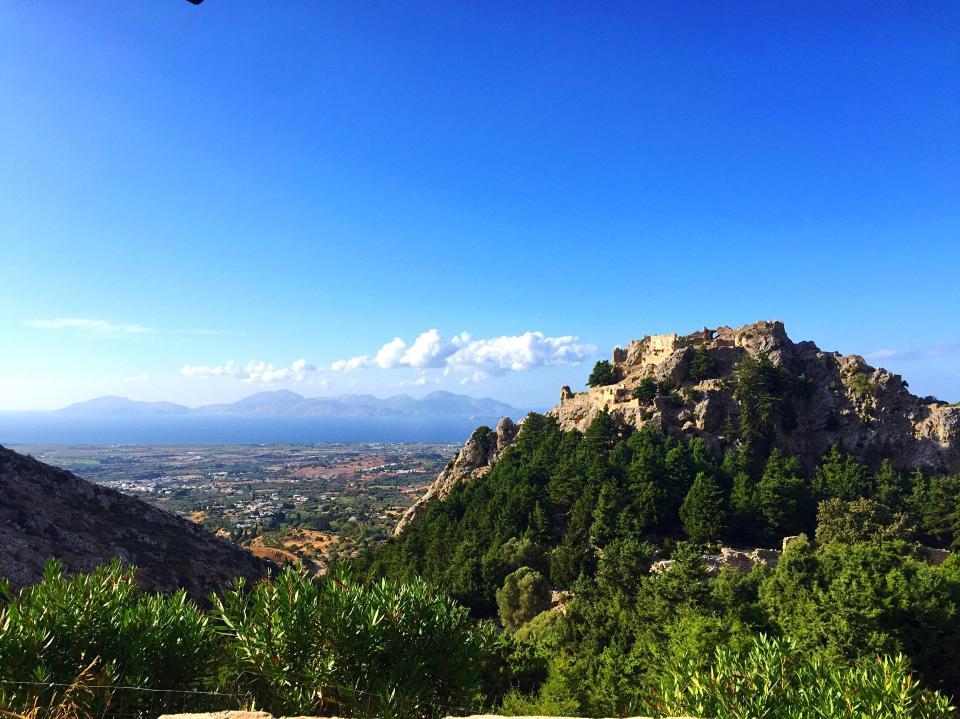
(94, 646)
(296, 644)
(861, 385)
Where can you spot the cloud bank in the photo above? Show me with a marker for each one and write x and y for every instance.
(472, 359)
(477, 357)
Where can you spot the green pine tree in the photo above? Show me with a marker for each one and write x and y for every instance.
(784, 498)
(703, 513)
(703, 365)
(604, 516)
(840, 475)
(744, 512)
(603, 373)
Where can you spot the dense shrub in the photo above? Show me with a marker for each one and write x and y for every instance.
(860, 384)
(101, 625)
(294, 644)
(591, 509)
(862, 520)
(776, 679)
(852, 620)
(309, 645)
(524, 594)
(849, 601)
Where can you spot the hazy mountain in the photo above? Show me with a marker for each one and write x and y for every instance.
(114, 406)
(278, 402)
(284, 403)
(448, 403)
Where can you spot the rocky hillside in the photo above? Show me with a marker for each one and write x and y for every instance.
(687, 386)
(49, 512)
(473, 460)
(827, 398)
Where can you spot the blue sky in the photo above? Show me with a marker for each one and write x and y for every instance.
(273, 182)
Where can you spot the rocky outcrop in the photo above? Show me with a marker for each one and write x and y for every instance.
(828, 399)
(49, 512)
(740, 560)
(743, 560)
(473, 460)
(831, 398)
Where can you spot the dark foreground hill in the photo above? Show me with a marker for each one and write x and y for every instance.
(48, 512)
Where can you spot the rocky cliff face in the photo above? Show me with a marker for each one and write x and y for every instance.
(473, 460)
(830, 398)
(49, 512)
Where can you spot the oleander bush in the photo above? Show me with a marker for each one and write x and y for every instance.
(775, 679)
(94, 645)
(303, 644)
(101, 625)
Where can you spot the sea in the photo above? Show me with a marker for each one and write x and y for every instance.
(41, 428)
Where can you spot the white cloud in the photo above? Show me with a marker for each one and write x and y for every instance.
(301, 366)
(252, 372)
(429, 350)
(519, 353)
(474, 359)
(137, 378)
(102, 327)
(350, 364)
(206, 371)
(391, 353)
(479, 358)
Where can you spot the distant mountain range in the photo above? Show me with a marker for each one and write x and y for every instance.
(284, 403)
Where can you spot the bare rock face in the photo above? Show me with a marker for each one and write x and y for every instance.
(473, 460)
(832, 398)
(835, 399)
(740, 560)
(744, 560)
(49, 512)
